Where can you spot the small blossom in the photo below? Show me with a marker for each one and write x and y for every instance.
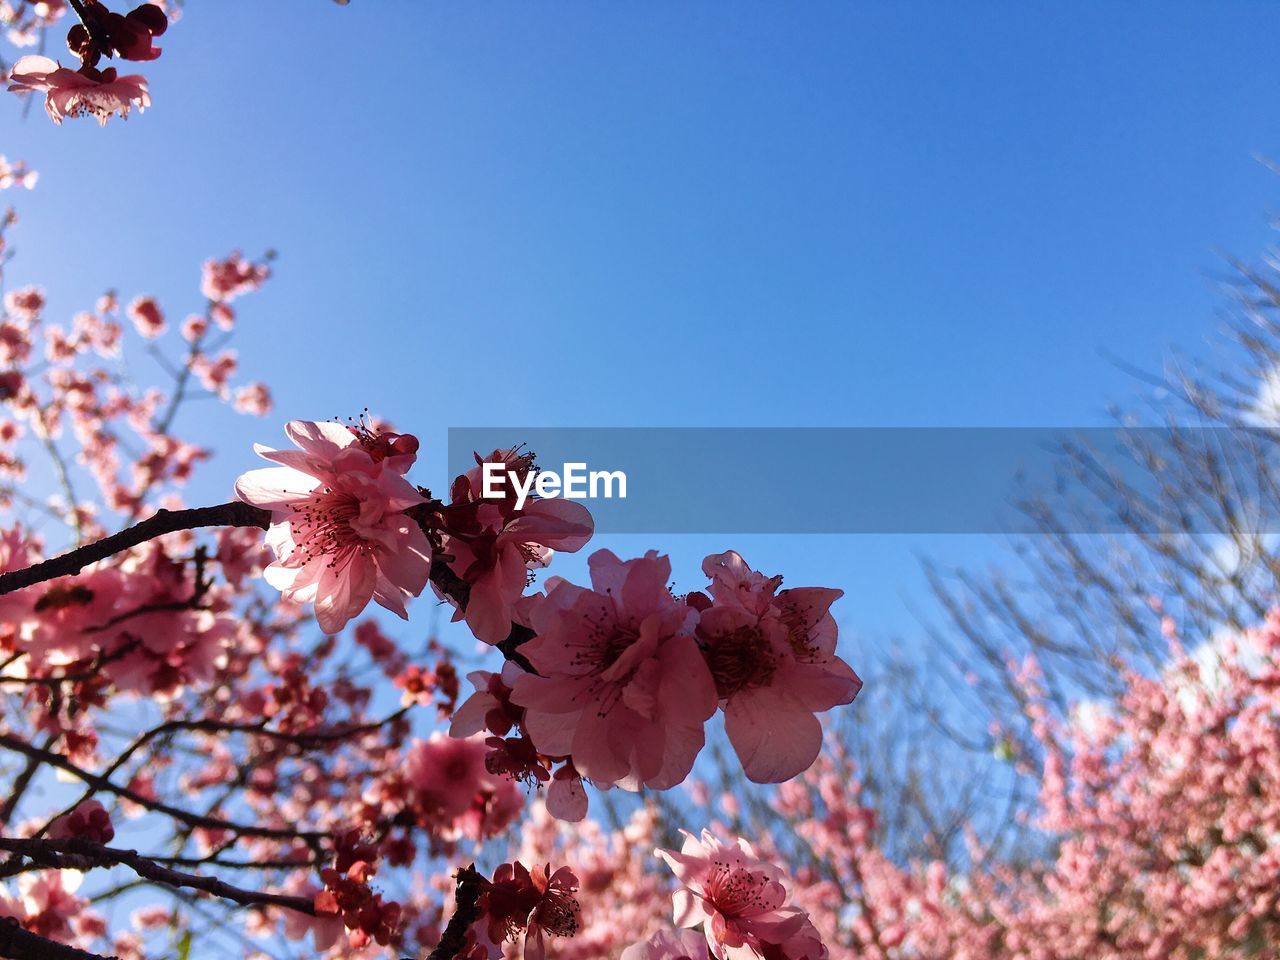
(772, 654)
(493, 546)
(539, 902)
(88, 821)
(224, 280)
(620, 686)
(739, 899)
(74, 93)
(338, 529)
(16, 174)
(147, 317)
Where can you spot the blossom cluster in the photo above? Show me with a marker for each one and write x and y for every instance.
(159, 682)
(614, 683)
(100, 32)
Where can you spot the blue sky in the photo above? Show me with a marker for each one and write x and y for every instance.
(670, 214)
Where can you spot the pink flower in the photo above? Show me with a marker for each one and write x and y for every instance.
(539, 901)
(214, 373)
(194, 327)
(255, 399)
(168, 644)
(73, 93)
(623, 688)
(240, 554)
(63, 614)
(50, 902)
(26, 303)
(16, 552)
(772, 655)
(147, 317)
(88, 821)
(740, 900)
(16, 174)
(446, 772)
(224, 280)
(129, 36)
(489, 708)
(669, 945)
(325, 931)
(493, 545)
(338, 531)
(805, 944)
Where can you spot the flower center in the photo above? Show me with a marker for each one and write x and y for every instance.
(736, 891)
(740, 659)
(322, 526)
(557, 914)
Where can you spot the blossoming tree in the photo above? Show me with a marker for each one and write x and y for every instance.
(204, 722)
(199, 705)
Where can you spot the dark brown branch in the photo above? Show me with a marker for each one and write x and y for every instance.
(77, 854)
(17, 943)
(233, 514)
(16, 744)
(466, 911)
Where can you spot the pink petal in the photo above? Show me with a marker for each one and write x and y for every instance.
(557, 523)
(567, 800)
(322, 438)
(343, 592)
(821, 686)
(32, 65)
(774, 737)
(274, 487)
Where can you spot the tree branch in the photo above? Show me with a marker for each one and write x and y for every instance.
(17, 943)
(465, 912)
(18, 745)
(233, 514)
(78, 854)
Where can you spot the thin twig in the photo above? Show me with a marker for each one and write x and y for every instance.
(16, 744)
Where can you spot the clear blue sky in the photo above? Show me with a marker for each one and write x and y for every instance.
(673, 213)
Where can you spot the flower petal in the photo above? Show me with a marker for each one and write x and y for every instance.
(274, 488)
(774, 737)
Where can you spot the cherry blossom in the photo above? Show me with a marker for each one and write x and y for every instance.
(147, 317)
(104, 32)
(740, 900)
(227, 279)
(492, 545)
(74, 93)
(489, 708)
(338, 528)
(772, 656)
(254, 398)
(16, 174)
(326, 931)
(89, 820)
(538, 902)
(446, 772)
(620, 684)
